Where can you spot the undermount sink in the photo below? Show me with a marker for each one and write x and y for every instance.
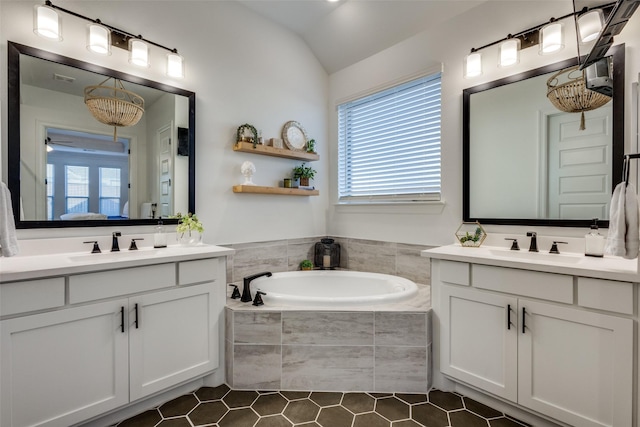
(537, 256)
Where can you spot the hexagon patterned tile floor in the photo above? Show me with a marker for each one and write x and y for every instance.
(223, 407)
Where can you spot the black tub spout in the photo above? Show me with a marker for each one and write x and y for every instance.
(246, 291)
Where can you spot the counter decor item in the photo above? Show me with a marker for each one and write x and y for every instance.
(189, 230)
(311, 146)
(471, 234)
(247, 133)
(327, 254)
(248, 169)
(306, 265)
(304, 174)
(294, 136)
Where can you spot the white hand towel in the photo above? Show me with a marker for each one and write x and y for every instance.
(632, 236)
(617, 223)
(8, 239)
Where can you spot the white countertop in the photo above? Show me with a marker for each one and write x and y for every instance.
(24, 267)
(608, 267)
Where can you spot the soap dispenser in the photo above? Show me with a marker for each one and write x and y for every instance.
(594, 241)
(160, 238)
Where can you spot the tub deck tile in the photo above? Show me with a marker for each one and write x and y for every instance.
(327, 328)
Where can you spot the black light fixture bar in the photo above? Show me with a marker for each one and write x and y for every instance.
(119, 37)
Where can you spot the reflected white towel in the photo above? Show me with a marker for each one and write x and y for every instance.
(623, 238)
(8, 239)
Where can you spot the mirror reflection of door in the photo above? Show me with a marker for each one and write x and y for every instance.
(579, 164)
(165, 157)
(86, 176)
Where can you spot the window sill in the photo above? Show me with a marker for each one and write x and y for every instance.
(426, 207)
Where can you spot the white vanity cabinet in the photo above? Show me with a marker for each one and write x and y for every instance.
(120, 335)
(519, 335)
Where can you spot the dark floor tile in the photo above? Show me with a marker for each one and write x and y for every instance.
(445, 400)
(326, 398)
(179, 406)
(208, 413)
(466, 419)
(146, 419)
(405, 423)
(212, 393)
(274, 421)
(377, 395)
(481, 409)
(358, 402)
(412, 398)
(239, 418)
(392, 409)
(429, 415)
(238, 399)
(301, 411)
(505, 422)
(269, 404)
(335, 416)
(175, 422)
(293, 395)
(517, 420)
(370, 420)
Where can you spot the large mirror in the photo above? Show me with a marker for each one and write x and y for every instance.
(527, 163)
(67, 168)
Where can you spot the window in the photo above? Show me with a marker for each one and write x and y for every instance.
(110, 191)
(389, 144)
(77, 189)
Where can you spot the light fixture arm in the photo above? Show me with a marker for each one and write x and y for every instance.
(125, 35)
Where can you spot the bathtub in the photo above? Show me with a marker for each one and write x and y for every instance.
(333, 288)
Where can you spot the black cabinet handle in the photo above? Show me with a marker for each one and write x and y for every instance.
(509, 316)
(524, 313)
(122, 319)
(136, 321)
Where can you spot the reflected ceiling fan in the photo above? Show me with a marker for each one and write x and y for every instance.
(50, 143)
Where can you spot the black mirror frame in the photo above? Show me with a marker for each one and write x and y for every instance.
(618, 54)
(13, 128)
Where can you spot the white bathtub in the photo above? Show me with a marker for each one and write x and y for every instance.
(333, 288)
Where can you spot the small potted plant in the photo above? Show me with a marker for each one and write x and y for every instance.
(311, 146)
(304, 174)
(306, 265)
(189, 229)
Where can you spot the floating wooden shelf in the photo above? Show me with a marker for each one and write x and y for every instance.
(256, 189)
(265, 150)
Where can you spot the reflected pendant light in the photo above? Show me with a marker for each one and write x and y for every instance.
(551, 38)
(589, 25)
(509, 53)
(47, 23)
(175, 65)
(99, 39)
(138, 53)
(473, 65)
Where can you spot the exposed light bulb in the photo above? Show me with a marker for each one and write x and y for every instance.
(47, 23)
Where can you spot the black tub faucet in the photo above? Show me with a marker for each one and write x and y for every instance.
(114, 241)
(246, 291)
(533, 247)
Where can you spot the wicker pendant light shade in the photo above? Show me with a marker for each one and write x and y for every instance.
(567, 92)
(114, 105)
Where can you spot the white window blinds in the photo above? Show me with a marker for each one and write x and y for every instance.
(389, 144)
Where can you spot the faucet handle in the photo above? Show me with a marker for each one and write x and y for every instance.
(554, 247)
(258, 299)
(96, 248)
(133, 246)
(514, 245)
(236, 292)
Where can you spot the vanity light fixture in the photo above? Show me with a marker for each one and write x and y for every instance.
(551, 39)
(509, 52)
(473, 64)
(100, 38)
(590, 25)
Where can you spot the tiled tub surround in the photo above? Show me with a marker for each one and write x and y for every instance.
(398, 259)
(382, 351)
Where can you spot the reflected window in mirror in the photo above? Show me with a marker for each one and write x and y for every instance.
(67, 169)
(527, 163)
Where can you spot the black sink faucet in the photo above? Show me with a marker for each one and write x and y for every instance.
(114, 241)
(533, 247)
(246, 291)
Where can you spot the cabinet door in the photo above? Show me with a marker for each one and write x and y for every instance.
(478, 344)
(173, 338)
(576, 366)
(65, 366)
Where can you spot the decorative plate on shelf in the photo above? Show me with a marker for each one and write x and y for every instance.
(294, 136)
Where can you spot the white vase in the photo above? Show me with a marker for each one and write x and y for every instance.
(189, 238)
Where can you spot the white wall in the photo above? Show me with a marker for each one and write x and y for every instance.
(243, 69)
(448, 44)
